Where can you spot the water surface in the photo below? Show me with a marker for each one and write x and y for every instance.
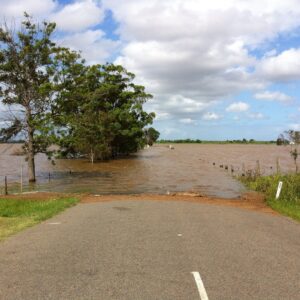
(188, 167)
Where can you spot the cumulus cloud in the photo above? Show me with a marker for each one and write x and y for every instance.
(237, 107)
(177, 107)
(273, 96)
(252, 21)
(283, 67)
(78, 15)
(177, 47)
(75, 21)
(211, 116)
(161, 115)
(188, 121)
(94, 46)
(170, 131)
(14, 9)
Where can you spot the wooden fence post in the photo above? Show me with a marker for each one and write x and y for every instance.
(277, 166)
(5, 186)
(257, 168)
(21, 180)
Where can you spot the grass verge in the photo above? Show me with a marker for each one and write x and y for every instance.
(288, 202)
(17, 214)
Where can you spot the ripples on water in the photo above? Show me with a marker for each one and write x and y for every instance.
(189, 167)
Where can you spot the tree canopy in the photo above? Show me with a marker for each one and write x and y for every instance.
(103, 115)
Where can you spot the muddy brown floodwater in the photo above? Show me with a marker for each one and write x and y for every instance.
(157, 170)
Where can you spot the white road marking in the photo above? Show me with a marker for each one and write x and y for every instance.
(179, 234)
(200, 286)
(54, 223)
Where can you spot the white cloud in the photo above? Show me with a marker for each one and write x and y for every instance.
(159, 116)
(238, 107)
(176, 47)
(177, 107)
(75, 19)
(94, 46)
(252, 21)
(209, 116)
(170, 131)
(78, 15)
(188, 121)
(283, 67)
(14, 9)
(273, 96)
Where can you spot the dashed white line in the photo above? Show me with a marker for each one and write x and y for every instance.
(200, 286)
(54, 223)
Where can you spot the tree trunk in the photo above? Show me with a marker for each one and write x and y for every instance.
(92, 156)
(31, 164)
(31, 152)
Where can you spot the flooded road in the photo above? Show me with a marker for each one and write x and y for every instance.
(188, 167)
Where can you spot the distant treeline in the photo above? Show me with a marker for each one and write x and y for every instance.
(197, 141)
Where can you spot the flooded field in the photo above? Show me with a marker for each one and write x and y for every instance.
(188, 167)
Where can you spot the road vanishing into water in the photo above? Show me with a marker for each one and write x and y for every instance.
(149, 249)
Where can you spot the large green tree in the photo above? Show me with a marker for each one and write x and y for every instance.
(103, 116)
(26, 88)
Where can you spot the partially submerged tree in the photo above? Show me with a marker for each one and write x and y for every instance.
(26, 60)
(151, 135)
(103, 117)
(280, 140)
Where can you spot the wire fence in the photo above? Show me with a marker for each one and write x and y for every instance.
(14, 183)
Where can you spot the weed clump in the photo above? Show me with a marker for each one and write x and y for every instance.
(288, 202)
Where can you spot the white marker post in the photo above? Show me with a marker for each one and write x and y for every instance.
(279, 189)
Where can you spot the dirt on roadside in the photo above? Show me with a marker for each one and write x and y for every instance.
(249, 200)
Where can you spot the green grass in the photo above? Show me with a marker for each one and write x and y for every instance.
(16, 215)
(288, 202)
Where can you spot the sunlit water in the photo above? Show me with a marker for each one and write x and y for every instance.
(188, 167)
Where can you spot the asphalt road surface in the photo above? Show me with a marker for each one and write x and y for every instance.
(148, 249)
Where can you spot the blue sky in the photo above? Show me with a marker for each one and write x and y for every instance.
(217, 70)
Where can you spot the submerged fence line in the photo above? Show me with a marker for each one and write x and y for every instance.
(16, 182)
(242, 170)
